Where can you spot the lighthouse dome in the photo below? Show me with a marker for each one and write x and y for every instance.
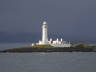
(44, 22)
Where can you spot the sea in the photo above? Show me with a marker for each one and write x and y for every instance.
(4, 46)
(46, 62)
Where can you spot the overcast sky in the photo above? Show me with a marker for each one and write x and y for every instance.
(73, 17)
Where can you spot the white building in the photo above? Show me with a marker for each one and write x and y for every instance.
(44, 34)
(55, 43)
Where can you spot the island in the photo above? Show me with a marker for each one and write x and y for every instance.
(48, 48)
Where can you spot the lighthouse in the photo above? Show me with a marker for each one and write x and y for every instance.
(44, 33)
(54, 43)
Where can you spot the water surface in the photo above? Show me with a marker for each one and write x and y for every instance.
(4, 46)
(48, 62)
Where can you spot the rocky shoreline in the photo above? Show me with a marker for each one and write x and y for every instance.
(41, 49)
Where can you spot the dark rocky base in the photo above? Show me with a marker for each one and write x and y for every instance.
(32, 49)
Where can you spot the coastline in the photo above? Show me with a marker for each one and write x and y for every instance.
(46, 49)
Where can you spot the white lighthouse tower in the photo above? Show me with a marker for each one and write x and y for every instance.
(44, 33)
(44, 40)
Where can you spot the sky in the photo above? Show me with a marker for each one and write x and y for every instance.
(73, 17)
